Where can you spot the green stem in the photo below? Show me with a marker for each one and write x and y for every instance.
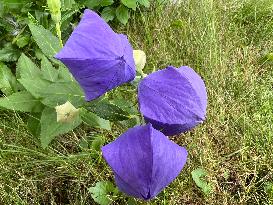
(59, 33)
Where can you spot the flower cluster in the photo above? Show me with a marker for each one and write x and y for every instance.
(172, 101)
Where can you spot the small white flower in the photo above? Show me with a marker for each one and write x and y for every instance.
(66, 112)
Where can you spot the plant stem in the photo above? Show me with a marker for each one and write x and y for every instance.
(59, 33)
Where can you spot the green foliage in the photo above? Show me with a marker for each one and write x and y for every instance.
(122, 14)
(59, 92)
(8, 83)
(50, 130)
(108, 110)
(20, 101)
(35, 86)
(108, 13)
(26, 68)
(145, 3)
(48, 71)
(41, 90)
(120, 10)
(47, 42)
(8, 53)
(93, 120)
(129, 3)
(197, 176)
(103, 193)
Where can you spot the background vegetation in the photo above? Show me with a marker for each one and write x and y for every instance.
(228, 43)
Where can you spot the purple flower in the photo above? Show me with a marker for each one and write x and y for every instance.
(173, 100)
(98, 58)
(144, 161)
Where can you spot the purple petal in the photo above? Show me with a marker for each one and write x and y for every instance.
(173, 100)
(144, 161)
(98, 58)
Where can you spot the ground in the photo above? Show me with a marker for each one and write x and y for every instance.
(226, 43)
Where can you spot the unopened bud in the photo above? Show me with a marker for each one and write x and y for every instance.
(66, 113)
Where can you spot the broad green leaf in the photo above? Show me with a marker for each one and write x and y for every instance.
(64, 75)
(145, 3)
(47, 42)
(93, 120)
(108, 14)
(129, 3)
(197, 176)
(122, 14)
(26, 68)
(91, 3)
(61, 92)
(106, 2)
(21, 101)
(7, 80)
(33, 124)
(48, 71)
(36, 86)
(103, 192)
(108, 111)
(50, 128)
(8, 53)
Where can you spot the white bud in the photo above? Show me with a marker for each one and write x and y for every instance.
(140, 60)
(66, 113)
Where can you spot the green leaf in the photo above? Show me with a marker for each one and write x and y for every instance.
(93, 120)
(7, 80)
(67, 4)
(108, 14)
(8, 53)
(103, 192)
(36, 86)
(129, 3)
(50, 128)
(97, 142)
(21, 101)
(22, 41)
(47, 42)
(91, 3)
(106, 2)
(61, 92)
(26, 68)
(145, 3)
(94, 143)
(48, 71)
(42, 18)
(108, 111)
(122, 14)
(197, 175)
(33, 124)
(64, 75)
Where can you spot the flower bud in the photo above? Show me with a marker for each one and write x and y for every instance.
(55, 10)
(66, 113)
